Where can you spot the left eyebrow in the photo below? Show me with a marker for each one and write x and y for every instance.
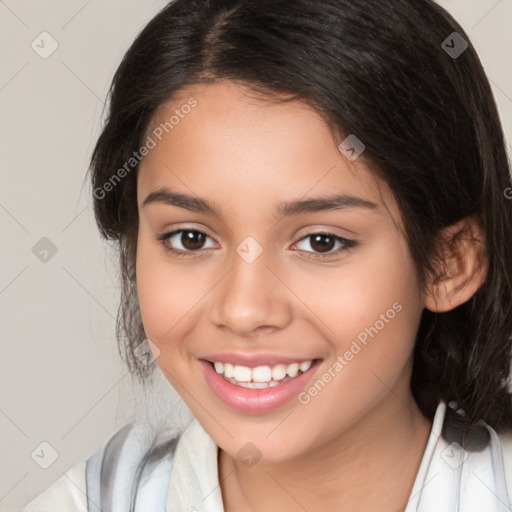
(285, 209)
(335, 202)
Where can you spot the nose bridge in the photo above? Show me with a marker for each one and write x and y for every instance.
(250, 296)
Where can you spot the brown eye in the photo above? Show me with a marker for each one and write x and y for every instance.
(322, 244)
(192, 240)
(183, 241)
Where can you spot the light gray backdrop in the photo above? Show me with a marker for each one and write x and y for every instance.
(61, 381)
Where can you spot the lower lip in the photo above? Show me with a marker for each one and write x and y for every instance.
(256, 401)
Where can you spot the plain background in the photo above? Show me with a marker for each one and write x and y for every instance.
(62, 381)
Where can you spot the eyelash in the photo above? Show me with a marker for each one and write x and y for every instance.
(347, 244)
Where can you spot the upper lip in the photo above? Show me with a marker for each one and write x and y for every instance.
(253, 360)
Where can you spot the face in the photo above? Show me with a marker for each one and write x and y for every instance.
(255, 284)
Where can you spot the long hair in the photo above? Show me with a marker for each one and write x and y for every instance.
(402, 75)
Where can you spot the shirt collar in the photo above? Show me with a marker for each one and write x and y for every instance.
(433, 439)
(194, 484)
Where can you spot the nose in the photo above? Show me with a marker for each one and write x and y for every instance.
(251, 299)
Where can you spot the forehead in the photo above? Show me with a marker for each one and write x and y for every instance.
(234, 146)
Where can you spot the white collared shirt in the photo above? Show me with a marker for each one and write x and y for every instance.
(194, 482)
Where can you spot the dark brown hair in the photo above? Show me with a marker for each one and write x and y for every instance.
(385, 71)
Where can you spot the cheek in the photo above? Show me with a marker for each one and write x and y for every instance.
(368, 311)
(353, 296)
(164, 296)
(368, 352)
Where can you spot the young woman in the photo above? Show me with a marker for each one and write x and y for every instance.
(310, 203)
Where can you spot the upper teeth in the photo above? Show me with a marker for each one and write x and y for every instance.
(260, 373)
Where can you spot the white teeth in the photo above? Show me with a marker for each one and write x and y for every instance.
(279, 372)
(254, 385)
(229, 370)
(293, 369)
(304, 366)
(261, 376)
(242, 374)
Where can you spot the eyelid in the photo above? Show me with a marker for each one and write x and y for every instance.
(346, 243)
(166, 235)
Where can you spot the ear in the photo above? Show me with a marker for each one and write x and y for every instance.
(463, 268)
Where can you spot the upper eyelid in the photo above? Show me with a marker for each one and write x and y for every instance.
(338, 238)
(174, 232)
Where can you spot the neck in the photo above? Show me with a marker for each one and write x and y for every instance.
(371, 466)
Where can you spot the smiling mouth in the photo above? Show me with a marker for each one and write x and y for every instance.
(262, 377)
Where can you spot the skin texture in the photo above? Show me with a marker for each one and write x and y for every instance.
(358, 444)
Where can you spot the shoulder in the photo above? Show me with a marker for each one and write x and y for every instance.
(505, 438)
(134, 463)
(68, 493)
(132, 470)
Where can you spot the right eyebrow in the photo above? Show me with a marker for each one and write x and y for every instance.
(194, 204)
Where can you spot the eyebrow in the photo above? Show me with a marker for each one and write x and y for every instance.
(285, 209)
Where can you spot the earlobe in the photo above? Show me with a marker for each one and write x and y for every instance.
(464, 268)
